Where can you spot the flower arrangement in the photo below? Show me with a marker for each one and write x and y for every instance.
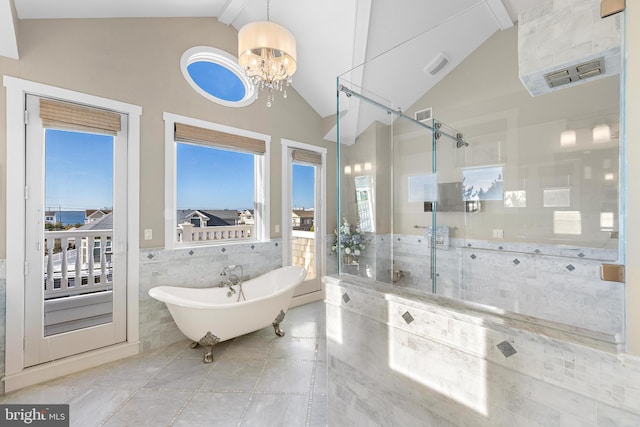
(350, 240)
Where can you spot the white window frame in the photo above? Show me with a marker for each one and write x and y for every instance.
(261, 183)
(320, 210)
(16, 376)
(225, 60)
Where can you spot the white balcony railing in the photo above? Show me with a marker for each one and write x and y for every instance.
(77, 262)
(189, 233)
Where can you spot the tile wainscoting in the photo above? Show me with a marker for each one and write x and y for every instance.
(402, 357)
(556, 283)
(194, 267)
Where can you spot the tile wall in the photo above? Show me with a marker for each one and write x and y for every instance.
(396, 358)
(189, 267)
(558, 33)
(555, 283)
(194, 267)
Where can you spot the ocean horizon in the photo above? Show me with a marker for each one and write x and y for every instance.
(70, 217)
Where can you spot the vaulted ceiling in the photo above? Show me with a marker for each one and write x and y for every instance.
(333, 36)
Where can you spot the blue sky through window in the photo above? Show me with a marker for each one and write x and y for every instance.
(78, 170)
(79, 175)
(303, 188)
(217, 80)
(210, 178)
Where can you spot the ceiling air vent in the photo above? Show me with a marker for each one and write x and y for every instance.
(575, 73)
(436, 64)
(424, 115)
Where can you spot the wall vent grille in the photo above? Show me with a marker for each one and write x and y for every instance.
(424, 115)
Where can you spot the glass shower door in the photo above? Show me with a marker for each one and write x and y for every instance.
(414, 198)
(448, 214)
(429, 205)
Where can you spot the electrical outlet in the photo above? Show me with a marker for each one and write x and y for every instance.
(276, 228)
(148, 234)
(498, 234)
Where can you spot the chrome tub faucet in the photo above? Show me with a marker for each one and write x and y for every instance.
(233, 280)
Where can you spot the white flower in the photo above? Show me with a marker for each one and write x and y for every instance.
(349, 240)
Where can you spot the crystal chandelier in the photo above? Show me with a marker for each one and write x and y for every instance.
(267, 53)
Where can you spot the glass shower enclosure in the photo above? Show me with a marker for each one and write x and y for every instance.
(488, 196)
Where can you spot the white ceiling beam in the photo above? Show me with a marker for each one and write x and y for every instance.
(500, 14)
(362, 25)
(230, 11)
(356, 75)
(8, 24)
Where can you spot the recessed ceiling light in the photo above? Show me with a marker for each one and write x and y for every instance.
(568, 138)
(601, 133)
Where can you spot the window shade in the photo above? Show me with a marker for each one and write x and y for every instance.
(64, 115)
(194, 134)
(307, 157)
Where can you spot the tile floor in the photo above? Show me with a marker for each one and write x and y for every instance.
(255, 380)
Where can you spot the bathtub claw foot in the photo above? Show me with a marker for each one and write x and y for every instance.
(279, 332)
(208, 342)
(276, 324)
(208, 356)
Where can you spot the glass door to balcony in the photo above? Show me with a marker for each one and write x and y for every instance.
(75, 229)
(303, 209)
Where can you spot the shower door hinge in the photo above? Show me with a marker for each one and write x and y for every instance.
(612, 272)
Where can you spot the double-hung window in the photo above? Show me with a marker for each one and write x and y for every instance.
(216, 177)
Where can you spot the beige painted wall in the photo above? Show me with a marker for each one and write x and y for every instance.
(372, 154)
(633, 176)
(506, 127)
(137, 61)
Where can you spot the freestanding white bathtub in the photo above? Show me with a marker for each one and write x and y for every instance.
(208, 315)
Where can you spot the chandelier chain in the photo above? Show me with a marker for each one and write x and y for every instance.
(268, 1)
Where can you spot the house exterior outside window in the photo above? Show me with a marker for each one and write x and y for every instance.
(223, 173)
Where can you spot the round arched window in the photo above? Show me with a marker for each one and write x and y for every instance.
(216, 75)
